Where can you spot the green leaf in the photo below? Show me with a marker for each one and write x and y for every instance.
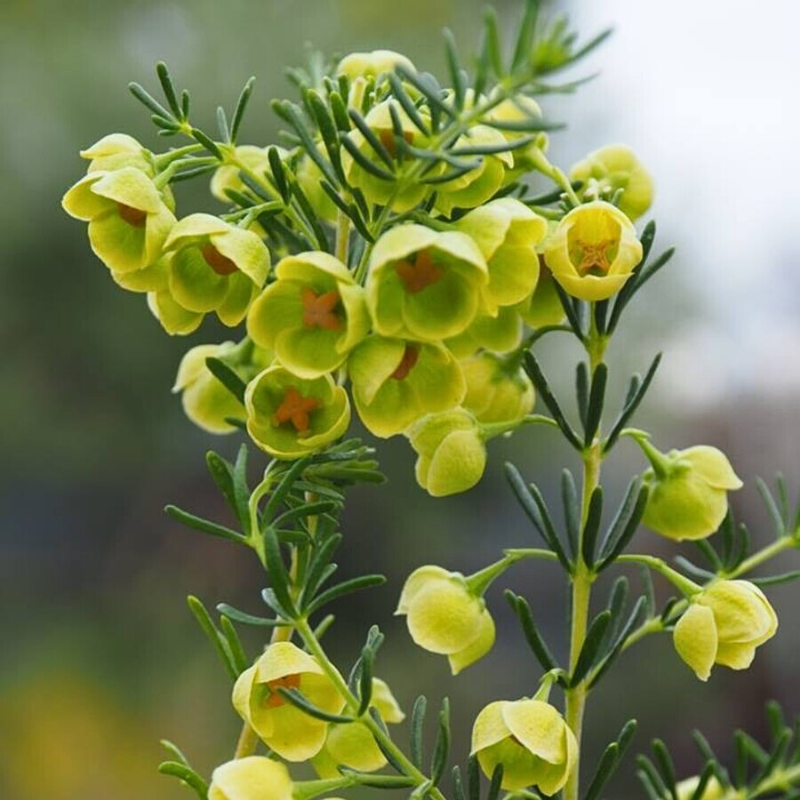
(144, 97)
(276, 569)
(775, 580)
(534, 371)
(441, 748)
(204, 525)
(624, 524)
(592, 526)
(222, 125)
(241, 107)
(592, 647)
(185, 774)
(298, 699)
(169, 88)
(582, 390)
(417, 727)
(597, 396)
(328, 130)
(495, 784)
(534, 639)
(368, 166)
(374, 142)
(215, 637)
(473, 778)
(572, 511)
(401, 95)
(455, 72)
(207, 142)
(240, 659)
(290, 113)
(492, 43)
(571, 309)
(278, 173)
(227, 377)
(341, 589)
(175, 751)
(616, 647)
(629, 409)
(665, 766)
(247, 619)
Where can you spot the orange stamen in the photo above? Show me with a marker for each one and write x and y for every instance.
(274, 699)
(420, 273)
(594, 256)
(407, 362)
(318, 310)
(221, 264)
(295, 409)
(133, 216)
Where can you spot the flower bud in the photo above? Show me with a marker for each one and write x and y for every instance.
(174, 319)
(724, 624)
(444, 616)
(282, 726)
(251, 778)
(451, 455)
(532, 742)
(614, 168)
(593, 251)
(311, 316)
(688, 491)
(373, 64)
(496, 391)
(424, 285)
(290, 417)
(686, 789)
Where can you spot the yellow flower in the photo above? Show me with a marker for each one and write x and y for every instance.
(373, 64)
(593, 251)
(530, 739)
(724, 624)
(444, 616)
(496, 391)
(251, 778)
(283, 727)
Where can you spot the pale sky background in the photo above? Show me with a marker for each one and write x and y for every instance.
(707, 93)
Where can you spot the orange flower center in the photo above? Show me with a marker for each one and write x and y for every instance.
(295, 409)
(407, 362)
(419, 273)
(319, 310)
(133, 216)
(274, 699)
(221, 264)
(388, 141)
(593, 257)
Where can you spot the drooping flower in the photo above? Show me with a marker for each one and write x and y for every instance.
(444, 616)
(500, 333)
(251, 778)
(530, 739)
(497, 391)
(724, 624)
(282, 726)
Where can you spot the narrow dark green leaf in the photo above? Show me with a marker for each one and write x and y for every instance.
(572, 511)
(241, 107)
(454, 70)
(711, 555)
(240, 659)
(402, 97)
(654, 777)
(534, 371)
(222, 474)
(775, 720)
(207, 142)
(775, 580)
(247, 619)
(291, 114)
(278, 173)
(492, 149)
(328, 130)
(473, 779)
(597, 396)
(495, 784)
(298, 699)
(204, 525)
(605, 769)
(616, 647)
(524, 44)
(241, 490)
(172, 748)
(372, 139)
(665, 766)
(185, 774)
(441, 748)
(650, 789)
(288, 482)
(346, 587)
(592, 527)
(186, 104)
(417, 727)
(494, 49)
(616, 602)
(570, 307)
(629, 409)
(276, 569)
(592, 647)
(227, 377)
(427, 84)
(458, 784)
(776, 756)
(522, 609)
(214, 636)
(144, 97)
(168, 88)
(591, 45)
(582, 390)
(193, 172)
(652, 268)
(705, 776)
(222, 125)
(167, 126)
(368, 166)
(774, 512)
(693, 570)
(625, 523)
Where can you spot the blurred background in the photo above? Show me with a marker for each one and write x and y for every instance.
(100, 657)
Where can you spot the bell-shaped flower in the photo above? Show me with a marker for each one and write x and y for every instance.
(174, 319)
(282, 726)
(118, 150)
(373, 64)
(593, 251)
(724, 624)
(251, 778)
(687, 788)
(616, 168)
(543, 306)
(290, 417)
(423, 284)
(215, 266)
(128, 219)
(480, 184)
(689, 488)
(311, 316)
(396, 190)
(352, 744)
(500, 333)
(506, 231)
(451, 454)
(396, 382)
(498, 390)
(206, 401)
(445, 616)
(530, 739)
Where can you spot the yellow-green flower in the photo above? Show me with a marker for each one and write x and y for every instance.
(251, 778)
(497, 391)
(543, 307)
(613, 168)
(506, 231)
(688, 491)
(500, 333)
(311, 316)
(423, 284)
(530, 739)
(377, 190)
(686, 789)
(174, 319)
(444, 616)
(228, 176)
(309, 177)
(282, 726)
(215, 266)
(724, 624)
(373, 64)
(520, 109)
(128, 219)
(205, 400)
(479, 184)
(115, 151)
(290, 417)
(352, 744)
(396, 382)
(593, 251)
(451, 455)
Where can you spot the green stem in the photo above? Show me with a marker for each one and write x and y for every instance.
(686, 586)
(765, 554)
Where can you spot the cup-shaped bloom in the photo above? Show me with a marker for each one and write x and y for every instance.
(423, 284)
(444, 616)
(128, 219)
(282, 726)
(376, 189)
(215, 267)
(689, 493)
(593, 251)
(174, 318)
(251, 778)
(500, 333)
(311, 316)
(373, 64)
(290, 417)
(480, 184)
(530, 739)
(396, 382)
(497, 391)
(206, 401)
(613, 168)
(686, 789)
(352, 744)
(506, 231)
(115, 151)
(451, 455)
(724, 624)
(543, 306)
